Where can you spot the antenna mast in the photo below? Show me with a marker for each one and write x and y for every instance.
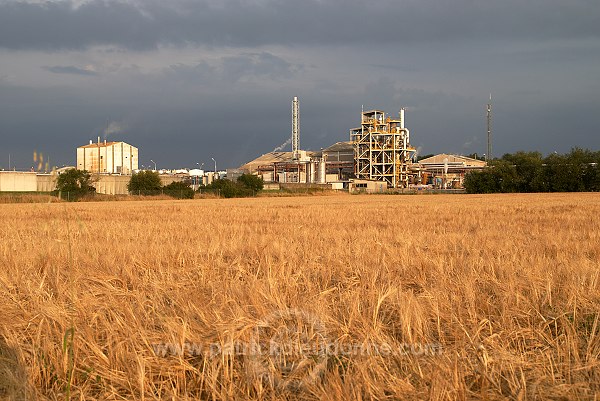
(488, 155)
(295, 129)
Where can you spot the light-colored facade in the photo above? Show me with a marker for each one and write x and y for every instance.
(18, 181)
(108, 158)
(367, 186)
(447, 171)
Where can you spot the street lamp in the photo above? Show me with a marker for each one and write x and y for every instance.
(154, 164)
(213, 159)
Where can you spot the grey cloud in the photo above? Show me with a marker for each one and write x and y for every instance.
(258, 64)
(231, 69)
(69, 69)
(401, 68)
(146, 25)
(192, 100)
(236, 126)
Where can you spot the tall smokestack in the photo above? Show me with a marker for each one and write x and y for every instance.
(402, 117)
(295, 129)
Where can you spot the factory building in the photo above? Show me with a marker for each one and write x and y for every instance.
(378, 157)
(108, 158)
(333, 164)
(447, 171)
(382, 150)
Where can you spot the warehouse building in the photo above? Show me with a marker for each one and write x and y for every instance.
(447, 171)
(108, 158)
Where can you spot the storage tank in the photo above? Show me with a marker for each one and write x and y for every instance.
(313, 171)
(321, 176)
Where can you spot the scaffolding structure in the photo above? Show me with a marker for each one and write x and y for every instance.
(382, 150)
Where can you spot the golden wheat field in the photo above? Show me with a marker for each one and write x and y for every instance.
(442, 297)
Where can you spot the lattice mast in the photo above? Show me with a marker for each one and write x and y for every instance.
(488, 155)
(295, 129)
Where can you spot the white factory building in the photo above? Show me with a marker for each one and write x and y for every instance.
(108, 158)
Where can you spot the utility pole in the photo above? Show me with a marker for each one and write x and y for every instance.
(488, 155)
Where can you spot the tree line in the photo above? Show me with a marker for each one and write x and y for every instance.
(576, 171)
(80, 183)
(148, 182)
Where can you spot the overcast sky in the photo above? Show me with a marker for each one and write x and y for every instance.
(188, 80)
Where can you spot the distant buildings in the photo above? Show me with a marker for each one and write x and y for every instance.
(379, 156)
(447, 171)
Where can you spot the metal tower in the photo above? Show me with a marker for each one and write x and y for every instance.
(382, 149)
(488, 155)
(295, 129)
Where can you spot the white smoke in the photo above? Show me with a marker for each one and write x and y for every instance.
(417, 152)
(115, 127)
(283, 145)
(470, 142)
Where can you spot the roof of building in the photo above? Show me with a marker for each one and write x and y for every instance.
(344, 146)
(273, 157)
(102, 144)
(452, 159)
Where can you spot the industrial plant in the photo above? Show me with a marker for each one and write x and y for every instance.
(377, 157)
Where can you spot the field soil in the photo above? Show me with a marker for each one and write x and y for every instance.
(367, 297)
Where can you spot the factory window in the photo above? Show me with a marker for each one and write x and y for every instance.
(361, 185)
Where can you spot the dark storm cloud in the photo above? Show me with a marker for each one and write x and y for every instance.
(145, 25)
(172, 72)
(232, 69)
(179, 129)
(69, 69)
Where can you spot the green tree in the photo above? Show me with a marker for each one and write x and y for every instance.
(251, 181)
(229, 189)
(179, 190)
(481, 182)
(476, 156)
(75, 182)
(561, 175)
(505, 175)
(530, 171)
(146, 182)
(578, 170)
(591, 177)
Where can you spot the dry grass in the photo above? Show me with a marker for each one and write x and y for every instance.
(507, 285)
(27, 198)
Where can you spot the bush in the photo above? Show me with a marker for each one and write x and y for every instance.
(145, 181)
(229, 189)
(481, 182)
(250, 181)
(179, 190)
(76, 183)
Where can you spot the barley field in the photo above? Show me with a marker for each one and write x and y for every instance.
(441, 297)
